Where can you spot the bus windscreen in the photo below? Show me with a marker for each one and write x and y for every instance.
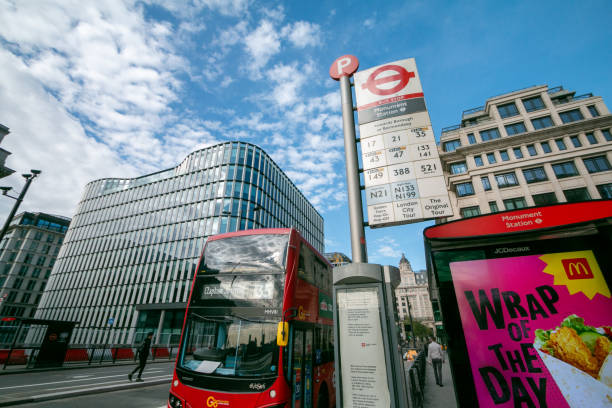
(248, 253)
(230, 347)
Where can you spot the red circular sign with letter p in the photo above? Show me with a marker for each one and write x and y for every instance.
(346, 65)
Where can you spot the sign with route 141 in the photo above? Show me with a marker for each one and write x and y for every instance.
(402, 172)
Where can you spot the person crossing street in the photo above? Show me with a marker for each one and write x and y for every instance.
(142, 353)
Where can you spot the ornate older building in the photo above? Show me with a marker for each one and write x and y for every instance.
(412, 297)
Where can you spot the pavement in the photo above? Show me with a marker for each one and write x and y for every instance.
(436, 396)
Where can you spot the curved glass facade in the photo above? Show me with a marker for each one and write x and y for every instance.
(133, 244)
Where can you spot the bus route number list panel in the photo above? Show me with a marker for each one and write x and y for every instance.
(363, 370)
(403, 176)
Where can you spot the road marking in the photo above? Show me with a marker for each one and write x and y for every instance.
(60, 382)
(169, 377)
(81, 376)
(76, 378)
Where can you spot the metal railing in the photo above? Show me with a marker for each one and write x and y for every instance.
(555, 89)
(451, 128)
(473, 110)
(25, 356)
(415, 378)
(572, 99)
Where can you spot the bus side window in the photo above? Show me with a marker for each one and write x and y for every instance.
(319, 346)
(306, 260)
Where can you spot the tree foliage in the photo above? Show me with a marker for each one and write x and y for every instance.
(420, 330)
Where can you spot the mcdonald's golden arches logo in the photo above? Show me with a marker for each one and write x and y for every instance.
(577, 268)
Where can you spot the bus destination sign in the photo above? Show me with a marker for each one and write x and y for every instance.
(403, 175)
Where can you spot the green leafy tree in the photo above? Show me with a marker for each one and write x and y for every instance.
(420, 330)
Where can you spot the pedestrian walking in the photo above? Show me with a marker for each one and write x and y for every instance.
(435, 357)
(142, 352)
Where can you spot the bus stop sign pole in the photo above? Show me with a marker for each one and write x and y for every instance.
(341, 70)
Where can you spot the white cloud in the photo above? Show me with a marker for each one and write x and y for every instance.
(276, 14)
(369, 23)
(45, 136)
(302, 34)
(89, 92)
(387, 247)
(188, 8)
(262, 44)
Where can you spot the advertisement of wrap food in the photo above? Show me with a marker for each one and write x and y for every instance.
(538, 329)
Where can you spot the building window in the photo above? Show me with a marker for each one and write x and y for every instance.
(605, 190)
(504, 155)
(544, 199)
(489, 134)
(532, 150)
(464, 189)
(507, 110)
(576, 194)
(469, 211)
(515, 128)
(458, 168)
(571, 116)
(491, 158)
(576, 141)
(30, 285)
(566, 169)
(515, 203)
(591, 138)
(471, 138)
(25, 298)
(597, 164)
(560, 144)
(493, 206)
(535, 175)
(533, 104)
(17, 283)
(485, 183)
(478, 161)
(541, 123)
(451, 145)
(506, 180)
(607, 135)
(546, 147)
(518, 153)
(593, 111)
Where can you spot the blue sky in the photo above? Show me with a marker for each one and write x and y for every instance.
(96, 89)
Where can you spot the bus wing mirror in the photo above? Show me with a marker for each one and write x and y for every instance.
(282, 334)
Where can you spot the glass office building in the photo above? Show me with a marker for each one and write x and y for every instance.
(27, 254)
(133, 245)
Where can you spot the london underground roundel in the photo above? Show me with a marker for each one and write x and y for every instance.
(345, 65)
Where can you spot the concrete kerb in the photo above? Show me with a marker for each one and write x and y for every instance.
(96, 390)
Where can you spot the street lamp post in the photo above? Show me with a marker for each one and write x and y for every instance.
(29, 177)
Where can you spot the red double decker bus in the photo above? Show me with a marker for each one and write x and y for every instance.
(258, 326)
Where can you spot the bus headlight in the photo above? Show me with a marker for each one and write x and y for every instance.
(272, 394)
(174, 401)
